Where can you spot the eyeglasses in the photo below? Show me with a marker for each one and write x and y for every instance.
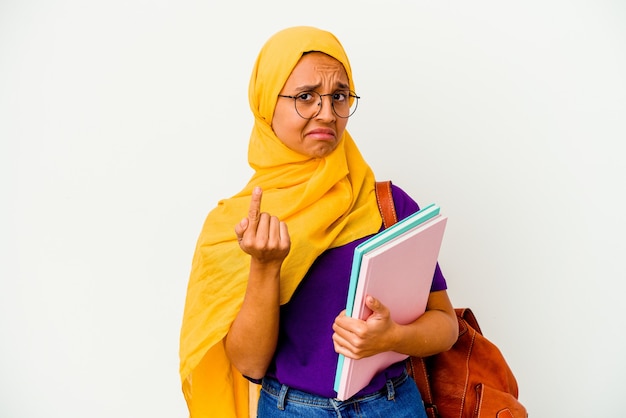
(309, 103)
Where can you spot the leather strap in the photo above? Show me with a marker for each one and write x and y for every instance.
(385, 203)
(417, 370)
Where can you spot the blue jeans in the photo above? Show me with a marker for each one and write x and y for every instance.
(399, 399)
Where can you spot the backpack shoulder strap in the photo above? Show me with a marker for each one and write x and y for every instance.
(385, 203)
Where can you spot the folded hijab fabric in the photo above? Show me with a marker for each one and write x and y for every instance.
(326, 202)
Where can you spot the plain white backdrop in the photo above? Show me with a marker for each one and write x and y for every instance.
(122, 123)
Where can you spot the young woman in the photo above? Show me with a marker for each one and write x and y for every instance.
(272, 265)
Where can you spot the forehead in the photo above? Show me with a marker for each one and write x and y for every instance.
(316, 68)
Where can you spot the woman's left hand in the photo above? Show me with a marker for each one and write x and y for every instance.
(356, 338)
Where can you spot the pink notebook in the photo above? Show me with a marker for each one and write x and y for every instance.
(399, 273)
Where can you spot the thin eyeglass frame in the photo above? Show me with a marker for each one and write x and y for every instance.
(320, 104)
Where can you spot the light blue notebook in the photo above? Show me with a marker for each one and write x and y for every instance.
(374, 242)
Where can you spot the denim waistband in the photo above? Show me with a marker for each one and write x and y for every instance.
(287, 394)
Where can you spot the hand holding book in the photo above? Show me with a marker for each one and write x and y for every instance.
(358, 338)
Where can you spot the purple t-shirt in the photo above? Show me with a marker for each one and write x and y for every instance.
(305, 358)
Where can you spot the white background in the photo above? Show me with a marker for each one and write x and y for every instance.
(123, 122)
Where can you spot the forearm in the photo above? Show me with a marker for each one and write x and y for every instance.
(433, 332)
(251, 341)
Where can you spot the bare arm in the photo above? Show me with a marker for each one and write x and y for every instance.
(251, 341)
(433, 332)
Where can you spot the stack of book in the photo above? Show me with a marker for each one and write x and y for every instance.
(395, 266)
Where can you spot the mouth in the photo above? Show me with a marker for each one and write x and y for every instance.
(322, 134)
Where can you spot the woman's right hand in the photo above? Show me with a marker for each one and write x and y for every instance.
(261, 235)
(253, 335)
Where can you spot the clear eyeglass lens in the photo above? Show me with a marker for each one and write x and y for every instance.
(309, 104)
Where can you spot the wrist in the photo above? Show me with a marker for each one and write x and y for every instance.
(265, 269)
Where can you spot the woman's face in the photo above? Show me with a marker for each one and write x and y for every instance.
(319, 136)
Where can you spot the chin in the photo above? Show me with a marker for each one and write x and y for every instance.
(323, 151)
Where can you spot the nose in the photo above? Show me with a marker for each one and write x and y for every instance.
(327, 112)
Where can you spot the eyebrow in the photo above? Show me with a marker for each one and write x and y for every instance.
(314, 87)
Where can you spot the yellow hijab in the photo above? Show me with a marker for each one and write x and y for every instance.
(326, 202)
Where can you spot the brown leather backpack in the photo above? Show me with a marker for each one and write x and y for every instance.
(472, 379)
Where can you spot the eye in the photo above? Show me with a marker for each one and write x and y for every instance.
(306, 97)
(341, 96)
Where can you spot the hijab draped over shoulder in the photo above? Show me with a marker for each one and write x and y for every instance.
(326, 202)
